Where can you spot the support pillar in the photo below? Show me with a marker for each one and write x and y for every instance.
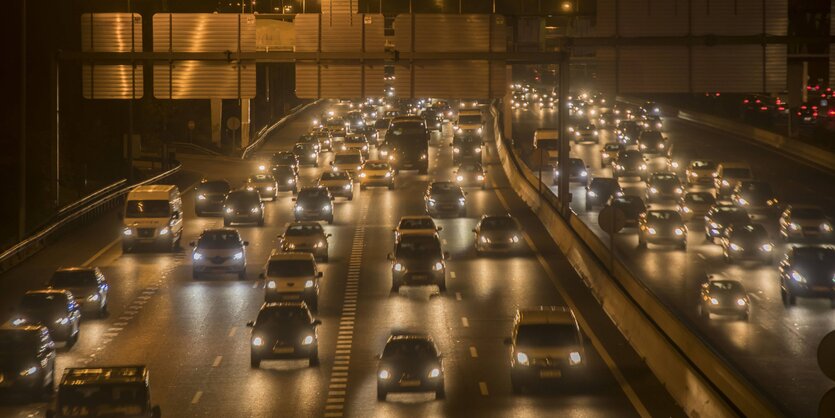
(216, 120)
(245, 111)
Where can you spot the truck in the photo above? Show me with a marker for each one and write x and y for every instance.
(118, 391)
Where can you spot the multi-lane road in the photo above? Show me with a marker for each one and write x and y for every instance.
(192, 334)
(777, 347)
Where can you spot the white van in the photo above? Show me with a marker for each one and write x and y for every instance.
(469, 122)
(153, 216)
(549, 140)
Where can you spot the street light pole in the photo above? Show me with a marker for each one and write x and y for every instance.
(21, 226)
(564, 141)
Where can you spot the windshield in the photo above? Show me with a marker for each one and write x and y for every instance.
(651, 136)
(303, 230)
(703, 165)
(14, 343)
(243, 199)
(147, 209)
(290, 268)
(663, 215)
(355, 139)
(382, 123)
(313, 194)
(43, 302)
(282, 316)
(664, 177)
(445, 188)
(819, 257)
(218, 240)
(284, 171)
(214, 187)
(469, 119)
(347, 159)
(284, 159)
(421, 223)
(259, 178)
(807, 213)
(547, 335)
(754, 231)
(760, 188)
(725, 286)
(406, 128)
(499, 222)
(335, 123)
(611, 147)
(411, 348)
(73, 278)
(418, 246)
(738, 173)
(335, 175)
(103, 400)
(702, 198)
(377, 166)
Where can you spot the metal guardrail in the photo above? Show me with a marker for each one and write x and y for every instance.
(261, 135)
(84, 209)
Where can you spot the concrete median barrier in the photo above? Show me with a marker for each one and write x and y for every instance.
(697, 378)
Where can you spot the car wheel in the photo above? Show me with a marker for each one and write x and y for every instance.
(682, 246)
(103, 311)
(363, 187)
(395, 287)
(314, 358)
(261, 222)
(295, 190)
(641, 243)
(198, 213)
(126, 248)
(313, 304)
(330, 220)
(462, 214)
(391, 186)
(588, 206)
(424, 170)
(351, 197)
(242, 275)
(442, 286)
(325, 258)
(195, 275)
(381, 395)
(517, 387)
(440, 393)
(791, 298)
(226, 222)
(254, 362)
(743, 317)
(832, 303)
(73, 339)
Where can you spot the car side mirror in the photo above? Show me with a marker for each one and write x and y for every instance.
(389, 257)
(466, 193)
(331, 163)
(446, 255)
(328, 235)
(320, 274)
(474, 230)
(451, 144)
(246, 243)
(378, 356)
(250, 324)
(294, 199)
(192, 244)
(316, 322)
(508, 341)
(440, 228)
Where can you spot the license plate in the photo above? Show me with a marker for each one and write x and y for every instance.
(550, 373)
(291, 297)
(419, 277)
(409, 383)
(284, 350)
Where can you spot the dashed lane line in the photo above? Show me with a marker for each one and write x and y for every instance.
(482, 387)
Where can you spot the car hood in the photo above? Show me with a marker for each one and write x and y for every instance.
(809, 223)
(333, 183)
(305, 240)
(221, 252)
(820, 275)
(555, 353)
(418, 264)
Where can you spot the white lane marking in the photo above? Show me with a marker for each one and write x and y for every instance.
(702, 256)
(457, 295)
(217, 361)
(443, 241)
(335, 400)
(255, 285)
(452, 275)
(232, 331)
(115, 329)
(109, 334)
(755, 296)
(465, 322)
(119, 324)
(337, 386)
(100, 252)
(197, 397)
(336, 393)
(335, 406)
(482, 387)
(473, 352)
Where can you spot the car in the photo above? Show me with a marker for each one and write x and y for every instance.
(600, 189)
(284, 330)
(325, 139)
(338, 183)
(722, 215)
(747, 241)
(545, 345)
(695, 204)
(630, 163)
(470, 174)
(434, 119)
(701, 172)
(55, 309)
(728, 175)
(410, 362)
(578, 172)
(663, 185)
(628, 132)
(314, 204)
(337, 128)
(284, 158)
(662, 226)
(219, 250)
(653, 122)
(292, 277)
(27, 360)
(265, 184)
(805, 222)
(376, 173)
(419, 225)
(498, 234)
(120, 390)
(382, 125)
(286, 179)
(756, 196)
(348, 161)
(307, 153)
(807, 272)
(586, 132)
(356, 142)
(720, 296)
(631, 206)
(153, 217)
(608, 152)
(445, 198)
(305, 237)
(652, 142)
(466, 148)
(243, 206)
(650, 108)
(209, 196)
(418, 260)
(87, 285)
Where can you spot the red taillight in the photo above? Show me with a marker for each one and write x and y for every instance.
(757, 101)
(781, 108)
(814, 108)
(764, 108)
(798, 113)
(803, 107)
(718, 94)
(832, 113)
(745, 101)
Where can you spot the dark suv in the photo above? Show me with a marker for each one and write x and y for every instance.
(53, 308)
(807, 272)
(284, 330)
(27, 359)
(418, 260)
(445, 197)
(600, 190)
(243, 206)
(210, 196)
(630, 163)
(410, 362)
(314, 204)
(652, 142)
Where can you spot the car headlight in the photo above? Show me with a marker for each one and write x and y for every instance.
(398, 267)
(269, 188)
(438, 266)
(651, 231)
(826, 227)
(363, 175)
(255, 209)
(714, 174)
(359, 168)
(484, 239)
(388, 174)
(164, 231)
(514, 239)
(30, 371)
(653, 190)
(522, 359)
(574, 358)
(262, 167)
(577, 133)
(796, 276)
(725, 183)
(347, 186)
(250, 188)
(643, 146)
(434, 372)
(714, 301)
(741, 302)
(93, 298)
(459, 178)
(291, 181)
(127, 232)
(431, 202)
(596, 133)
(592, 193)
(456, 150)
(238, 256)
(584, 173)
(62, 320)
(794, 227)
(299, 208)
(661, 146)
(461, 201)
(308, 284)
(679, 190)
(257, 341)
(766, 247)
(271, 284)
(307, 340)
(384, 374)
(480, 177)
(735, 247)
(312, 155)
(326, 208)
(290, 246)
(686, 209)
(197, 256)
(679, 231)
(715, 225)
(605, 155)
(201, 197)
(229, 210)
(742, 202)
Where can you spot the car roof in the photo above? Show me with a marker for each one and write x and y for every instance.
(108, 375)
(279, 255)
(47, 291)
(402, 218)
(409, 335)
(217, 230)
(347, 152)
(376, 162)
(545, 315)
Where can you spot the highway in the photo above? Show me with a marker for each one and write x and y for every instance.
(192, 334)
(777, 348)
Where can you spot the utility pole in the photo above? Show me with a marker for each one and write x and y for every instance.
(564, 140)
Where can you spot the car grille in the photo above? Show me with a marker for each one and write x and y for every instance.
(145, 232)
(810, 229)
(218, 259)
